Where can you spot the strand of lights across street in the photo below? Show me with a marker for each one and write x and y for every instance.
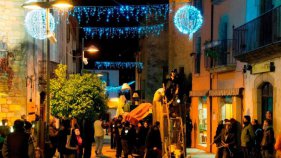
(115, 13)
(126, 32)
(188, 20)
(118, 88)
(117, 65)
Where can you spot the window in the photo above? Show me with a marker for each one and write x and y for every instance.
(202, 109)
(226, 109)
(199, 5)
(197, 55)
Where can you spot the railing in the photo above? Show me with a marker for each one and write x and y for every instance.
(258, 33)
(220, 52)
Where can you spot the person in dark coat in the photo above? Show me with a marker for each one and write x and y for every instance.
(217, 139)
(62, 139)
(16, 144)
(258, 138)
(125, 139)
(132, 139)
(153, 143)
(267, 143)
(142, 134)
(228, 141)
(112, 134)
(118, 129)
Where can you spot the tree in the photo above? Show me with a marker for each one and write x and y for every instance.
(77, 96)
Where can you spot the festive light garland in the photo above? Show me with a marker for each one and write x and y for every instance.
(35, 23)
(127, 32)
(127, 65)
(118, 88)
(188, 20)
(115, 13)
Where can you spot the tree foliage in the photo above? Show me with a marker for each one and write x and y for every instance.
(77, 96)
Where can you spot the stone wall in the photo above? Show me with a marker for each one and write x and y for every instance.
(13, 72)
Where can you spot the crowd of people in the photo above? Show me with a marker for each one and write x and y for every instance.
(142, 140)
(249, 140)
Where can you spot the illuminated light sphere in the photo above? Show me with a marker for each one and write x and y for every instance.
(35, 23)
(188, 20)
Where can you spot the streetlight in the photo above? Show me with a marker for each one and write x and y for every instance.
(91, 49)
(57, 4)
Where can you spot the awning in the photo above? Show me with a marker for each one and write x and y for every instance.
(226, 92)
(198, 93)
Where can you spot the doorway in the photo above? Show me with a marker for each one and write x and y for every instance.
(267, 99)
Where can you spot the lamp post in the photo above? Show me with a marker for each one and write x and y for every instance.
(59, 4)
(91, 49)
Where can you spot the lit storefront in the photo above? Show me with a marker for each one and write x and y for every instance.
(203, 124)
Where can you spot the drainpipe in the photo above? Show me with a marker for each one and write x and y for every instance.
(211, 77)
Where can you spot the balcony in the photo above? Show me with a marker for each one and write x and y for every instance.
(220, 54)
(259, 39)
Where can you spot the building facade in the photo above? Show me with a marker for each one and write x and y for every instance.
(257, 46)
(23, 60)
(217, 80)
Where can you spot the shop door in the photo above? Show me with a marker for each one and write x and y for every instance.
(267, 99)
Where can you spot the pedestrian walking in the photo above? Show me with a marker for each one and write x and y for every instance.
(247, 137)
(278, 146)
(132, 139)
(267, 143)
(16, 145)
(153, 142)
(99, 135)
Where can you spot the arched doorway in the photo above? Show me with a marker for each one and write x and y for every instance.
(266, 98)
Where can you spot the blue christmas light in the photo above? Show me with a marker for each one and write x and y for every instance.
(35, 23)
(188, 20)
(118, 88)
(115, 13)
(118, 65)
(126, 32)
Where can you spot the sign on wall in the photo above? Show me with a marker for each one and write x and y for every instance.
(263, 67)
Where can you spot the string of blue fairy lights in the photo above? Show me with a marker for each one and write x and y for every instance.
(118, 88)
(127, 65)
(115, 13)
(126, 32)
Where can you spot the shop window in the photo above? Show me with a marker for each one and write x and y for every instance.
(202, 109)
(226, 109)
(267, 99)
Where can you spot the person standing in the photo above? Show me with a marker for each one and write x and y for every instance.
(99, 135)
(258, 138)
(247, 137)
(153, 142)
(125, 139)
(118, 130)
(17, 143)
(267, 143)
(53, 135)
(228, 141)
(277, 146)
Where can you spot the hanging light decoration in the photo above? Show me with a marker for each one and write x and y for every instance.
(188, 20)
(115, 13)
(118, 65)
(126, 32)
(35, 23)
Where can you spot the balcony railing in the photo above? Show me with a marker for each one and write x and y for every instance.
(217, 2)
(220, 52)
(258, 34)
